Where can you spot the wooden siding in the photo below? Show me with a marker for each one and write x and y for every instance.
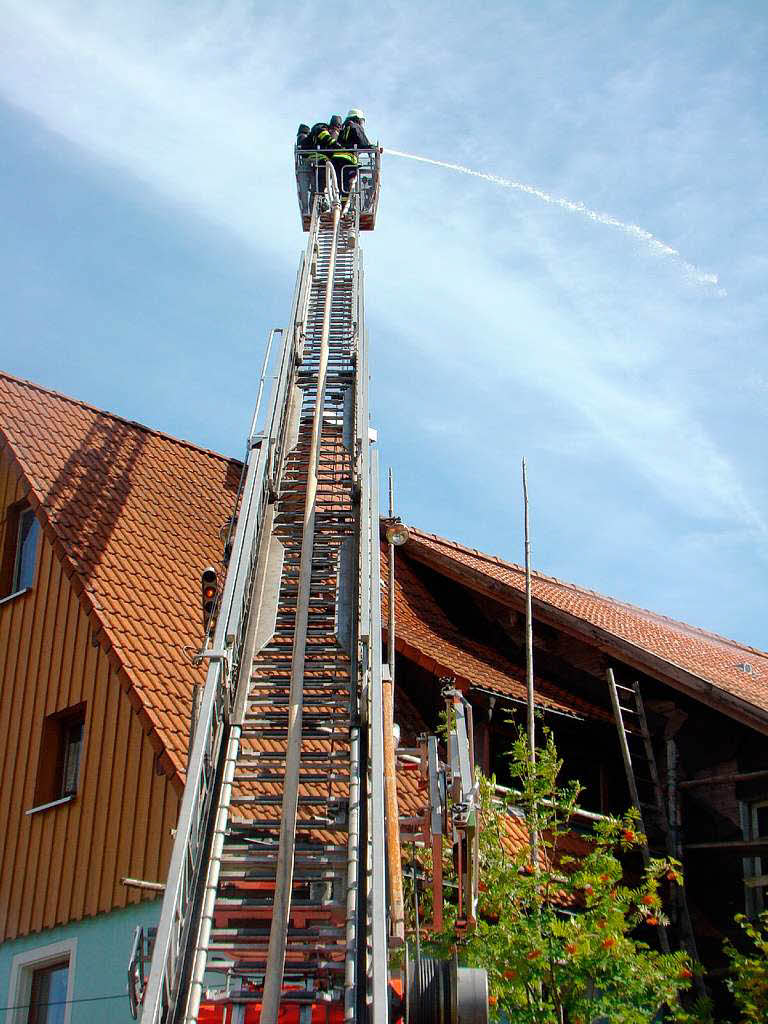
(65, 863)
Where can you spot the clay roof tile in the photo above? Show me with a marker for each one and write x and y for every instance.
(127, 505)
(732, 669)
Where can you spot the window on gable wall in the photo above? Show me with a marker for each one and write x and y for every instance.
(755, 826)
(41, 984)
(61, 747)
(22, 532)
(48, 996)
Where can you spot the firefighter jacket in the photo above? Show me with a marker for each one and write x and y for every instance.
(351, 134)
(319, 136)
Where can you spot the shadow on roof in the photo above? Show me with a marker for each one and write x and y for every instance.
(89, 492)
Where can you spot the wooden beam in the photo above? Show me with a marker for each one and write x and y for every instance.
(742, 847)
(715, 780)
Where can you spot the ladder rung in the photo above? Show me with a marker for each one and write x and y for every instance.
(318, 933)
(225, 904)
(264, 800)
(306, 824)
(288, 996)
(305, 777)
(268, 756)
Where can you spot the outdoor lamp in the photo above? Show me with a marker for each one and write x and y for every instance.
(397, 533)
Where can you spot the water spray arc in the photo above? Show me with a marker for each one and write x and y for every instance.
(691, 271)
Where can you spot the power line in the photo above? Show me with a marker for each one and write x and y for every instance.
(65, 1002)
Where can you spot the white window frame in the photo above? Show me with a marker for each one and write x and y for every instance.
(755, 868)
(26, 512)
(24, 965)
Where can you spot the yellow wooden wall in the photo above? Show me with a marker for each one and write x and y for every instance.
(66, 863)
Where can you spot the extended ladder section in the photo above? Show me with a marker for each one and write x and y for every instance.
(276, 888)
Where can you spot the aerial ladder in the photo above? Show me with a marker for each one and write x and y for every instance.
(277, 892)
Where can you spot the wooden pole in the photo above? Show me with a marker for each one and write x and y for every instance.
(534, 839)
(391, 587)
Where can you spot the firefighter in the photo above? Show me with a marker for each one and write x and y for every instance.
(352, 135)
(322, 136)
(303, 169)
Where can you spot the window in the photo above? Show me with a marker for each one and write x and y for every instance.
(70, 761)
(41, 985)
(48, 994)
(22, 531)
(26, 550)
(61, 747)
(755, 822)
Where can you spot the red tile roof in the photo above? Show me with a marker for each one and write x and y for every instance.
(135, 516)
(660, 644)
(425, 634)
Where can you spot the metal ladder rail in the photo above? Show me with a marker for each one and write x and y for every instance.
(356, 944)
(275, 469)
(284, 874)
(355, 948)
(331, 519)
(204, 763)
(265, 722)
(221, 829)
(374, 955)
(274, 450)
(378, 1003)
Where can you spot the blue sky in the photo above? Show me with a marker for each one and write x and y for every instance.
(151, 239)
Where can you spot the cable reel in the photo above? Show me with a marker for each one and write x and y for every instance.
(441, 992)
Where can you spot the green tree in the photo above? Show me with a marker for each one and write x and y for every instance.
(562, 939)
(749, 971)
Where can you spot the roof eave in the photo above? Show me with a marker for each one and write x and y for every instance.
(703, 690)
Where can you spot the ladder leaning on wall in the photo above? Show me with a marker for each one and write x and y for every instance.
(647, 795)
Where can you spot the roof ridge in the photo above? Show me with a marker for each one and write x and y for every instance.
(646, 612)
(113, 415)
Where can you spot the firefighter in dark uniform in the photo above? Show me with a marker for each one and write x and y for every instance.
(322, 136)
(303, 171)
(345, 160)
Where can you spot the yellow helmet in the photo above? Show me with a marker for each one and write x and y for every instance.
(355, 115)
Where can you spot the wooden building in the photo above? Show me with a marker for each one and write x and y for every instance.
(105, 526)
(706, 700)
